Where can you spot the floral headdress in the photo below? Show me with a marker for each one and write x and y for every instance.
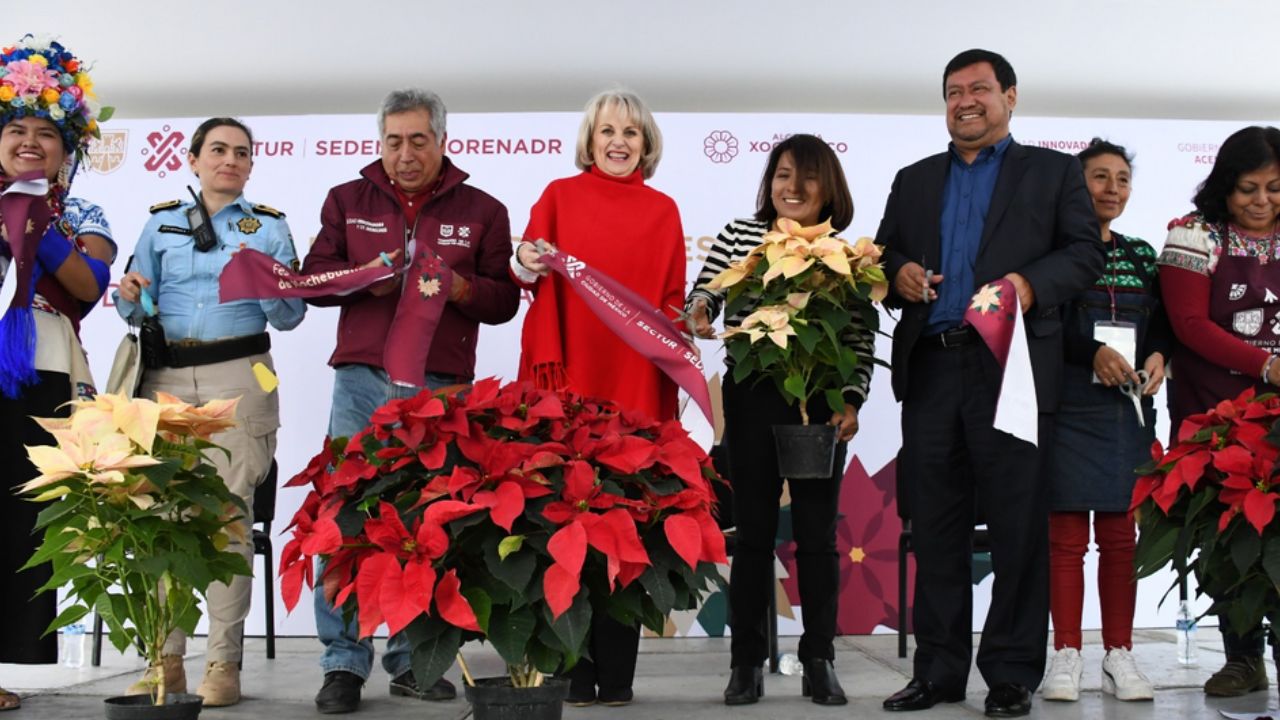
(40, 78)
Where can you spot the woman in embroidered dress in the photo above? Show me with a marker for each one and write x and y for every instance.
(1099, 441)
(609, 218)
(802, 181)
(1220, 275)
(47, 118)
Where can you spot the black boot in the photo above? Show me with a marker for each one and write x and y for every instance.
(820, 683)
(746, 686)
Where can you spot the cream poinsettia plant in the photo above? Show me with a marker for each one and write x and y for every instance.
(135, 505)
(808, 287)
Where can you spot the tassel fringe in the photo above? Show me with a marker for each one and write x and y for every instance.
(17, 351)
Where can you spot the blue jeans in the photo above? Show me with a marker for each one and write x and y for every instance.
(359, 390)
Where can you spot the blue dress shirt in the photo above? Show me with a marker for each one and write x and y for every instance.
(965, 200)
(184, 281)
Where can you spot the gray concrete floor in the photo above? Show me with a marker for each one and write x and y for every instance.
(678, 679)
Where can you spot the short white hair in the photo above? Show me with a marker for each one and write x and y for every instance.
(637, 112)
(408, 100)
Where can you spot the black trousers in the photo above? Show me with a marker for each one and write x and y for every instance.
(612, 647)
(951, 456)
(750, 412)
(26, 618)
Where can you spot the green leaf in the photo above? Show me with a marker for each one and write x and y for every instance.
(835, 400)
(481, 605)
(548, 659)
(509, 544)
(1245, 550)
(794, 386)
(572, 626)
(432, 657)
(808, 336)
(71, 615)
(515, 571)
(510, 632)
(1271, 560)
(656, 583)
(56, 511)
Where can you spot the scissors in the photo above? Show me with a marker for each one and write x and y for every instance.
(1134, 391)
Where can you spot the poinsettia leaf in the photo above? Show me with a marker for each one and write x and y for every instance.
(399, 607)
(628, 455)
(1245, 549)
(656, 584)
(560, 585)
(453, 607)
(1259, 509)
(481, 604)
(508, 505)
(685, 537)
(1271, 560)
(432, 657)
(572, 625)
(373, 570)
(514, 571)
(568, 546)
(510, 631)
(509, 544)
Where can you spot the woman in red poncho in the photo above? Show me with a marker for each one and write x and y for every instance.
(607, 217)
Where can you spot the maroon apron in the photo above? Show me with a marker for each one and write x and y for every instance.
(1244, 300)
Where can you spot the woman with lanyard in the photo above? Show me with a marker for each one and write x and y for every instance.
(1219, 272)
(48, 116)
(607, 216)
(1105, 427)
(802, 181)
(214, 350)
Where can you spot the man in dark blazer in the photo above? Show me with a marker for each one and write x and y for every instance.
(986, 209)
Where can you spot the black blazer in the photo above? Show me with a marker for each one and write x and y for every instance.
(1041, 224)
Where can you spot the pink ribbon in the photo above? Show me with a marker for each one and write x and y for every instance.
(253, 275)
(644, 329)
(422, 300)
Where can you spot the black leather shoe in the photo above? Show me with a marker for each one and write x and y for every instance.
(920, 695)
(746, 686)
(1008, 700)
(340, 693)
(821, 684)
(614, 697)
(406, 685)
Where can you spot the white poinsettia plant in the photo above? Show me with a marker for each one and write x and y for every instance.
(135, 506)
(808, 287)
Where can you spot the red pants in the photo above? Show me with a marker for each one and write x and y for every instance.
(1114, 535)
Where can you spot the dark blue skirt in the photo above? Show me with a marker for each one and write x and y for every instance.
(1097, 446)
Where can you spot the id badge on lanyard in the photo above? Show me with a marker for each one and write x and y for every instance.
(1119, 336)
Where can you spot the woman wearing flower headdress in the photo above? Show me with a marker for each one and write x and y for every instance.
(607, 216)
(55, 258)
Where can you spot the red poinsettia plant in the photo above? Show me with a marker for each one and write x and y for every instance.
(506, 513)
(1207, 507)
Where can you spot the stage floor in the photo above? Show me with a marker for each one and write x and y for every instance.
(677, 679)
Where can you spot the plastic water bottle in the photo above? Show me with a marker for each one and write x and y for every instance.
(1186, 635)
(789, 664)
(73, 646)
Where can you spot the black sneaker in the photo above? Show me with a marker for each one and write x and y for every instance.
(406, 685)
(340, 693)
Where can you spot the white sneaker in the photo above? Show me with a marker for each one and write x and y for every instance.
(1062, 682)
(1122, 678)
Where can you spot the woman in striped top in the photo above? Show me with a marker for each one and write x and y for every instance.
(1099, 441)
(804, 182)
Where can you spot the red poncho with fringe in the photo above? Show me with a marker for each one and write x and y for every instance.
(630, 232)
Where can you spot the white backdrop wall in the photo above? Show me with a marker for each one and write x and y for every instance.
(711, 167)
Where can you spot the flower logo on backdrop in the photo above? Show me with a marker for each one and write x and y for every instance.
(106, 154)
(720, 146)
(165, 151)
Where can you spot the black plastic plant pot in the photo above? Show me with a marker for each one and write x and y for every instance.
(495, 699)
(805, 452)
(177, 706)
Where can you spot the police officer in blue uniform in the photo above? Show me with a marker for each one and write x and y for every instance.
(214, 350)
